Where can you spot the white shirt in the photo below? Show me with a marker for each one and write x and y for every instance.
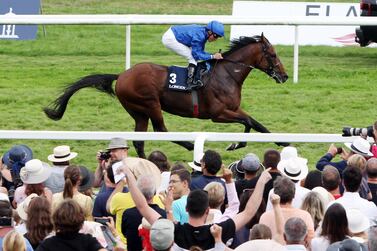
(353, 200)
(300, 194)
(319, 243)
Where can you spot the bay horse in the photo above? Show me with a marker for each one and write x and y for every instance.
(143, 93)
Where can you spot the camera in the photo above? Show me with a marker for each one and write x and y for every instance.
(6, 221)
(103, 221)
(104, 155)
(351, 131)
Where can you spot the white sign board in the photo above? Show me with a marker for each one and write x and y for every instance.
(308, 35)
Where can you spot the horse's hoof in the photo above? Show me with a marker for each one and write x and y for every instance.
(231, 147)
(240, 145)
(282, 144)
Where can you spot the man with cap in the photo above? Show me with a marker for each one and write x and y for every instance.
(249, 165)
(116, 151)
(162, 235)
(359, 145)
(60, 160)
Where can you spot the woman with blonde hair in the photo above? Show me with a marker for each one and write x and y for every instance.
(357, 160)
(71, 191)
(314, 206)
(13, 241)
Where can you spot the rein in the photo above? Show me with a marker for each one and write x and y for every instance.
(239, 63)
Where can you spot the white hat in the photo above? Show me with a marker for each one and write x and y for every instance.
(61, 154)
(294, 168)
(162, 234)
(325, 196)
(360, 146)
(35, 172)
(23, 206)
(288, 152)
(117, 143)
(196, 165)
(357, 221)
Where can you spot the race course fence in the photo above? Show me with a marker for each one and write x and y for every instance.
(129, 20)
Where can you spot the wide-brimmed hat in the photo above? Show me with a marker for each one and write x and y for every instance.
(117, 143)
(35, 172)
(162, 234)
(249, 163)
(139, 167)
(325, 196)
(87, 178)
(61, 154)
(294, 168)
(288, 152)
(18, 154)
(238, 174)
(196, 165)
(23, 206)
(360, 146)
(357, 221)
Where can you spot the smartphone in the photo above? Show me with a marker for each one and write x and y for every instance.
(103, 221)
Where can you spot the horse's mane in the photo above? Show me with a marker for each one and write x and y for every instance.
(236, 44)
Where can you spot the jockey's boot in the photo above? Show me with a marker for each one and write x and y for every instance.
(190, 76)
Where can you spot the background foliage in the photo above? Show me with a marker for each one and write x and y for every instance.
(336, 85)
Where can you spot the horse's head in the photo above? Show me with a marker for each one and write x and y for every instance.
(270, 63)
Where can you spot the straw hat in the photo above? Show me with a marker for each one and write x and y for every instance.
(117, 143)
(61, 154)
(294, 168)
(35, 172)
(23, 206)
(18, 153)
(360, 146)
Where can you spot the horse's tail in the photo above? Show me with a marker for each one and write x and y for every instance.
(102, 82)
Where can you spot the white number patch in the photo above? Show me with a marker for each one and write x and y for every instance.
(172, 78)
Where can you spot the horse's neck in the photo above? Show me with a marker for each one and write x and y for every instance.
(237, 71)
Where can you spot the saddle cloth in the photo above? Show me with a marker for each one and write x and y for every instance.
(177, 77)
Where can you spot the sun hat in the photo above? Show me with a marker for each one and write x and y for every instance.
(196, 165)
(87, 178)
(18, 154)
(325, 196)
(357, 221)
(288, 152)
(61, 154)
(162, 234)
(139, 167)
(238, 174)
(249, 163)
(360, 146)
(294, 168)
(35, 172)
(117, 143)
(23, 206)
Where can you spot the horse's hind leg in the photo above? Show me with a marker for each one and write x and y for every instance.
(159, 126)
(141, 125)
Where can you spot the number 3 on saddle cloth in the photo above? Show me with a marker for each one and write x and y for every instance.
(177, 77)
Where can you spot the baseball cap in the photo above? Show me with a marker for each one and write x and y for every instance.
(249, 163)
(162, 234)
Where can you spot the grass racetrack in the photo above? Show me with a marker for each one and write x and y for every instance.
(336, 85)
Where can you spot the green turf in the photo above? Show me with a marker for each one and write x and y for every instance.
(336, 85)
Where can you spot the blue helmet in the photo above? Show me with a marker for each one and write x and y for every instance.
(216, 27)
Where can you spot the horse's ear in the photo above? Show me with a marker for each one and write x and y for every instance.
(262, 36)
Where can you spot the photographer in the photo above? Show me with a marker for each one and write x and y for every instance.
(116, 151)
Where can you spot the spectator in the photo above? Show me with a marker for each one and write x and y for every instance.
(71, 190)
(372, 239)
(358, 224)
(68, 220)
(295, 233)
(285, 188)
(161, 161)
(249, 165)
(116, 151)
(324, 196)
(357, 160)
(295, 169)
(186, 235)
(260, 232)
(13, 241)
(15, 159)
(314, 206)
(60, 160)
(162, 235)
(33, 174)
(99, 207)
(6, 215)
(347, 245)
(22, 209)
(86, 181)
(313, 179)
(351, 199)
(216, 196)
(196, 164)
(131, 218)
(331, 180)
(359, 145)
(6, 183)
(38, 221)
(334, 228)
(371, 170)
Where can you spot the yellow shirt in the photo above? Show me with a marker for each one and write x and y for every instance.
(122, 201)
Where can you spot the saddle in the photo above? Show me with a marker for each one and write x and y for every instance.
(177, 77)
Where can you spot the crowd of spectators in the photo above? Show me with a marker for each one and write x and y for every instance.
(270, 203)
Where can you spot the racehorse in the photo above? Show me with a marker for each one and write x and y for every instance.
(142, 90)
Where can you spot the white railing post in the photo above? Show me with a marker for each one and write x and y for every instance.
(295, 57)
(199, 146)
(128, 46)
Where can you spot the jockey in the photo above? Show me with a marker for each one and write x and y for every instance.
(189, 42)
